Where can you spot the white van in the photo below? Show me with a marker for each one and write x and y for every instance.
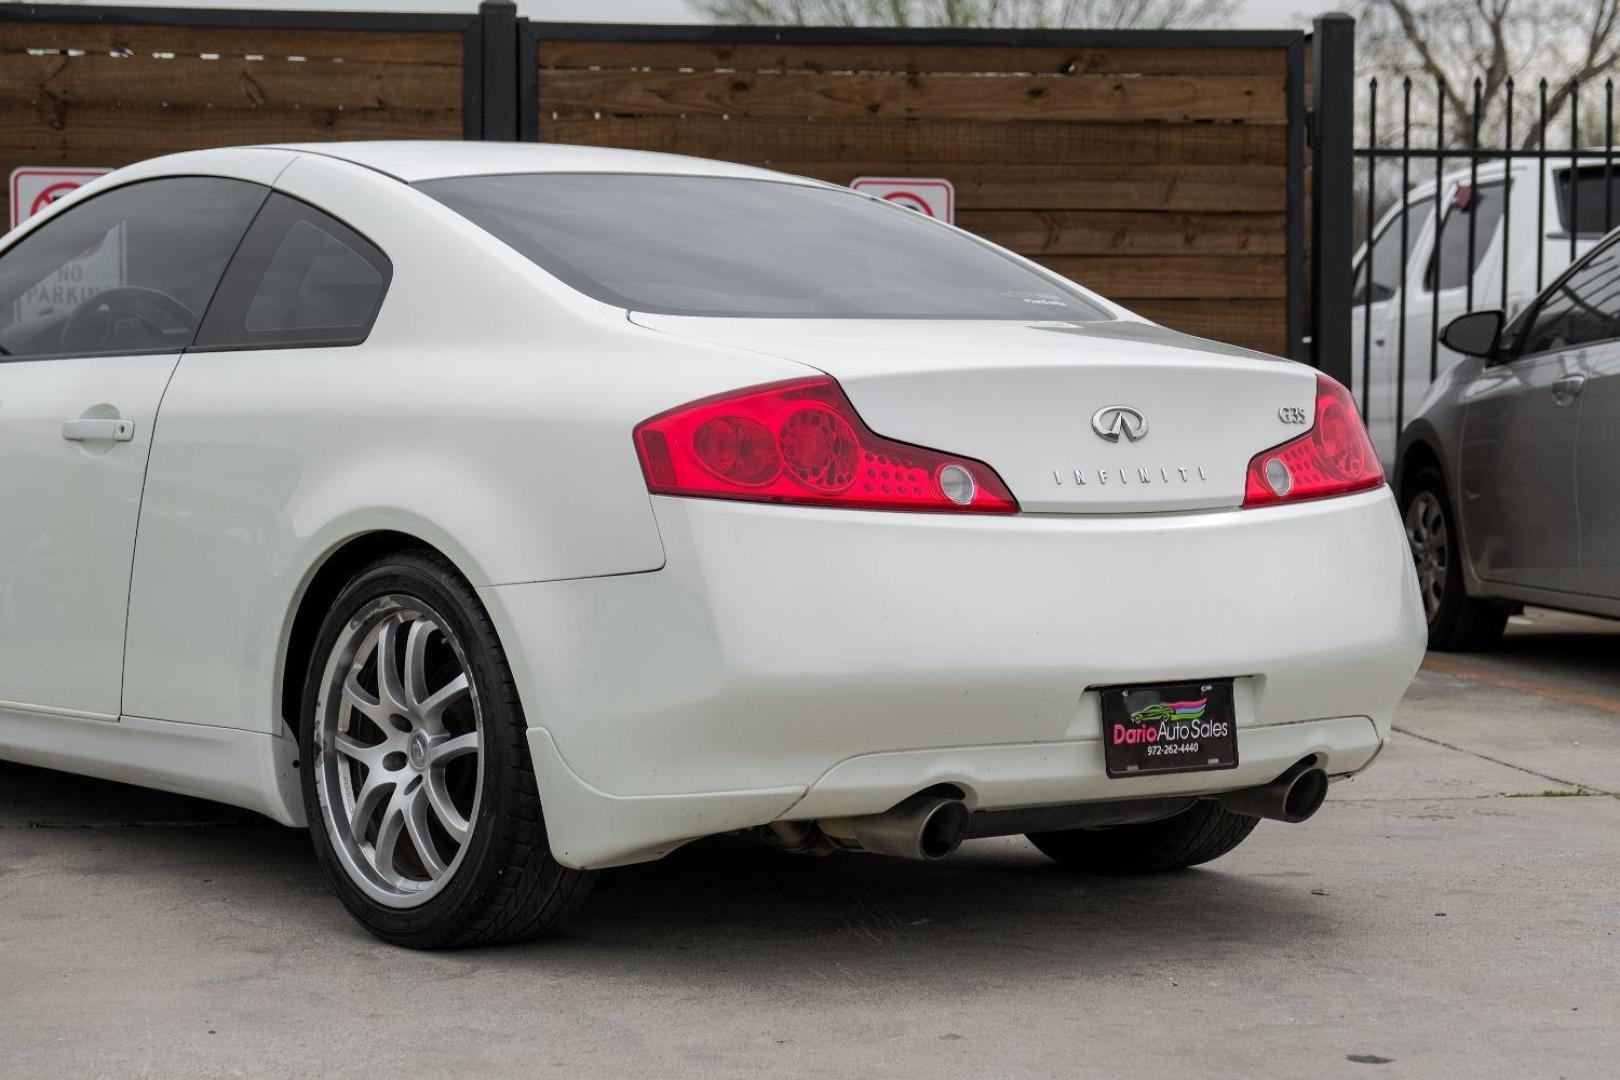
(1435, 294)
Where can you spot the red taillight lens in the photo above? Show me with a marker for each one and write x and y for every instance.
(1335, 457)
(803, 442)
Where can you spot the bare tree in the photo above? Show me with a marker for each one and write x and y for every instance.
(1100, 14)
(1498, 42)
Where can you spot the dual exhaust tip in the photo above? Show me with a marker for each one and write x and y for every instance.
(930, 827)
(1292, 797)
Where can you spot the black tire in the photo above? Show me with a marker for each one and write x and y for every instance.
(1457, 622)
(1203, 832)
(506, 886)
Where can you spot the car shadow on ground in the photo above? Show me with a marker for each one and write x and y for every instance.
(722, 909)
(993, 899)
(1557, 651)
(1596, 652)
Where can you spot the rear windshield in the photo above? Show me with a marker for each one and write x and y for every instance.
(689, 245)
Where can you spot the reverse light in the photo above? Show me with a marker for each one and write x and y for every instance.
(802, 442)
(1335, 457)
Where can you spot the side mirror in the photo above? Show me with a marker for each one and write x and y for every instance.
(1478, 333)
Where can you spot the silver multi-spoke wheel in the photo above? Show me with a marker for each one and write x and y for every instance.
(1426, 532)
(399, 746)
(418, 786)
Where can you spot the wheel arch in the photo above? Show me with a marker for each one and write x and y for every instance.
(325, 580)
(1418, 455)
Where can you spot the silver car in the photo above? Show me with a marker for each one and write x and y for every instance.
(1509, 475)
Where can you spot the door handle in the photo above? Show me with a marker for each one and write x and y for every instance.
(94, 430)
(1568, 388)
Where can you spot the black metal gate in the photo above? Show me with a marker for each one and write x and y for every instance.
(1508, 160)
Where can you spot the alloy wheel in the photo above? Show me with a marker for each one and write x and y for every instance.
(1426, 532)
(399, 745)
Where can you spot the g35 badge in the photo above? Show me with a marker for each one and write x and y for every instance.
(1291, 414)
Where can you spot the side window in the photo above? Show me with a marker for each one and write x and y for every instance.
(1387, 264)
(1480, 206)
(1582, 308)
(302, 278)
(128, 271)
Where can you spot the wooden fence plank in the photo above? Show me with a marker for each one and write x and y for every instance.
(1251, 98)
(922, 141)
(765, 56)
(995, 186)
(1172, 277)
(274, 82)
(372, 46)
(1084, 232)
(95, 135)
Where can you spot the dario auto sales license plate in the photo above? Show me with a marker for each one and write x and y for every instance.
(1172, 727)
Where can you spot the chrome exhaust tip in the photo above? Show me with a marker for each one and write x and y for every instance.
(923, 827)
(1293, 797)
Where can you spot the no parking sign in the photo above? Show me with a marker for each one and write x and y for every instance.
(929, 195)
(33, 188)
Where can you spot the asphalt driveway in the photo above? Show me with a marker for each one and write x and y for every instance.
(1451, 913)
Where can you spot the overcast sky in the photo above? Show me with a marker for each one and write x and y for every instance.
(1252, 13)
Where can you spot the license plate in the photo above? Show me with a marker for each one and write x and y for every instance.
(1173, 727)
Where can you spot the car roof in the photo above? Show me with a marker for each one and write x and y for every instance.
(1490, 171)
(412, 161)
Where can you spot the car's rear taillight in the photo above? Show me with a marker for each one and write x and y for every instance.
(1335, 457)
(802, 442)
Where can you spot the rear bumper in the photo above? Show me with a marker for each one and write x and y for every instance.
(799, 663)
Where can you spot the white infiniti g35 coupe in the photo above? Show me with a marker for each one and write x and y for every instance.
(408, 490)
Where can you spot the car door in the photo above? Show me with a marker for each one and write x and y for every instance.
(1593, 318)
(1519, 494)
(1374, 317)
(96, 306)
(1443, 291)
(301, 292)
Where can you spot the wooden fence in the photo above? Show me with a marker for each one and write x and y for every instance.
(1152, 167)
(108, 86)
(1166, 170)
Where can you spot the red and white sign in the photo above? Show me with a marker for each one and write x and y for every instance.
(35, 188)
(926, 195)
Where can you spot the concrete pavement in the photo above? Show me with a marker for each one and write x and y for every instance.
(1451, 913)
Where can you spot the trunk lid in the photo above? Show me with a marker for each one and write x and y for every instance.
(1028, 400)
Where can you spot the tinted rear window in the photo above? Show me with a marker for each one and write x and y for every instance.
(1595, 203)
(683, 245)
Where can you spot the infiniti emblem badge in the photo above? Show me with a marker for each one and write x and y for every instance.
(1113, 421)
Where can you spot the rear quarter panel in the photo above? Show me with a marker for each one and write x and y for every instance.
(489, 414)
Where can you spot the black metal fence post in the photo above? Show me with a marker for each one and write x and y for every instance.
(472, 79)
(1333, 62)
(528, 76)
(498, 75)
(1406, 248)
(1369, 295)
